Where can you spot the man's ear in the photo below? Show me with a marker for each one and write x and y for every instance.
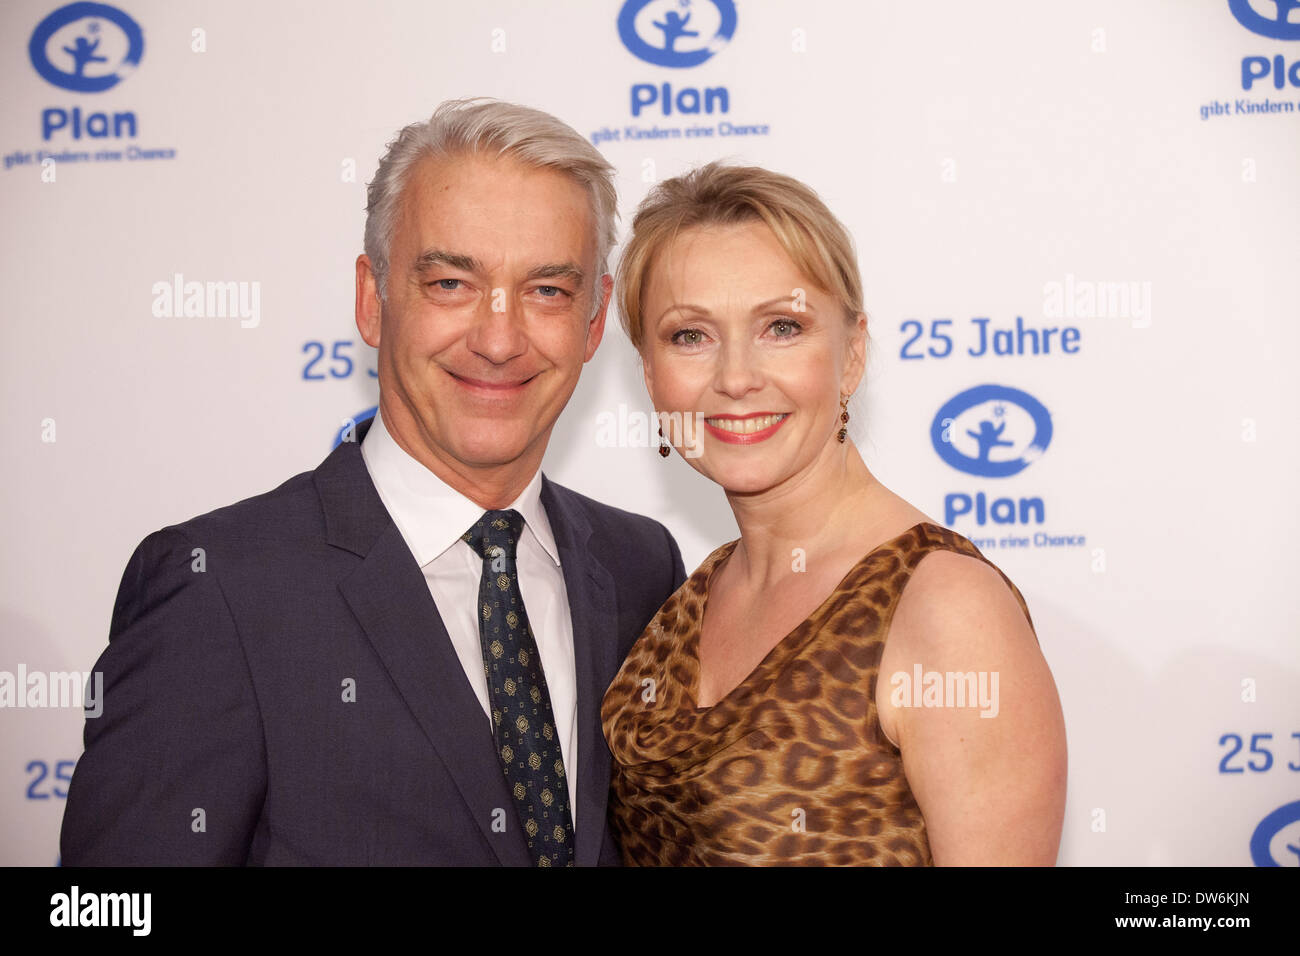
(596, 327)
(369, 306)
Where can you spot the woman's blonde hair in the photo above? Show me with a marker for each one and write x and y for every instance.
(721, 194)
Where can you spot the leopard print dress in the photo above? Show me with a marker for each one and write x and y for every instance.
(791, 767)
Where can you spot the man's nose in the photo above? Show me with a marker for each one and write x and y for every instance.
(498, 333)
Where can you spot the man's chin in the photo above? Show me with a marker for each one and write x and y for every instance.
(483, 452)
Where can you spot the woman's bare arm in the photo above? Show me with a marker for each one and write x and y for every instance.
(991, 788)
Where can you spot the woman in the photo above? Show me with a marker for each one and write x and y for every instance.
(768, 714)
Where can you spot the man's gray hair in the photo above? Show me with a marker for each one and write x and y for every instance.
(480, 125)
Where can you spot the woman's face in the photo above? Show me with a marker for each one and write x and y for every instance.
(733, 332)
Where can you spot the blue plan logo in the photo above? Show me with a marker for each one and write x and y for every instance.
(1280, 26)
(676, 33)
(1276, 841)
(1277, 20)
(86, 47)
(995, 431)
(991, 430)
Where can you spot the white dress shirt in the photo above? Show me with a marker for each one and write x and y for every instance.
(431, 517)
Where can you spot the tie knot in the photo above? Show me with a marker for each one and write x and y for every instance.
(496, 530)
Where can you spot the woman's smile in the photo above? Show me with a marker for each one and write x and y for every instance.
(745, 429)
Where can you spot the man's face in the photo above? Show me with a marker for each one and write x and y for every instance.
(489, 315)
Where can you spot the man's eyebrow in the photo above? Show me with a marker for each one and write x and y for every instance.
(556, 270)
(439, 257)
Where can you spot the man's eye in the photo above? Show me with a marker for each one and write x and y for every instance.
(551, 291)
(446, 287)
(688, 337)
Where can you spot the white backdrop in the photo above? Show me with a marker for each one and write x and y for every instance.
(1100, 166)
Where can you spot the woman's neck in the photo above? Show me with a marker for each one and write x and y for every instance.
(813, 513)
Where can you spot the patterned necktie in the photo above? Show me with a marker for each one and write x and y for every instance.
(523, 724)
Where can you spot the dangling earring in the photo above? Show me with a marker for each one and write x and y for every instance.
(665, 449)
(844, 418)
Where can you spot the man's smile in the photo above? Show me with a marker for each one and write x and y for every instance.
(493, 388)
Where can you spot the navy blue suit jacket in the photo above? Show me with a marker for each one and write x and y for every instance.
(226, 738)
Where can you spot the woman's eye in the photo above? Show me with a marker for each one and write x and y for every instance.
(785, 328)
(688, 337)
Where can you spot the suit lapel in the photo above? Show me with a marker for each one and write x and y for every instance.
(390, 598)
(594, 613)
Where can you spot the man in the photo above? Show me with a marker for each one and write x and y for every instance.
(399, 658)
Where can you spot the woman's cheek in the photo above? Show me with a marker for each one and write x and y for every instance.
(677, 385)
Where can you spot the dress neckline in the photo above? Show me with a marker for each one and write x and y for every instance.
(692, 646)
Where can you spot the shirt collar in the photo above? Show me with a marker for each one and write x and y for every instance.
(429, 513)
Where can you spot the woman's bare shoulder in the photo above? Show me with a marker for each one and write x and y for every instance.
(956, 605)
